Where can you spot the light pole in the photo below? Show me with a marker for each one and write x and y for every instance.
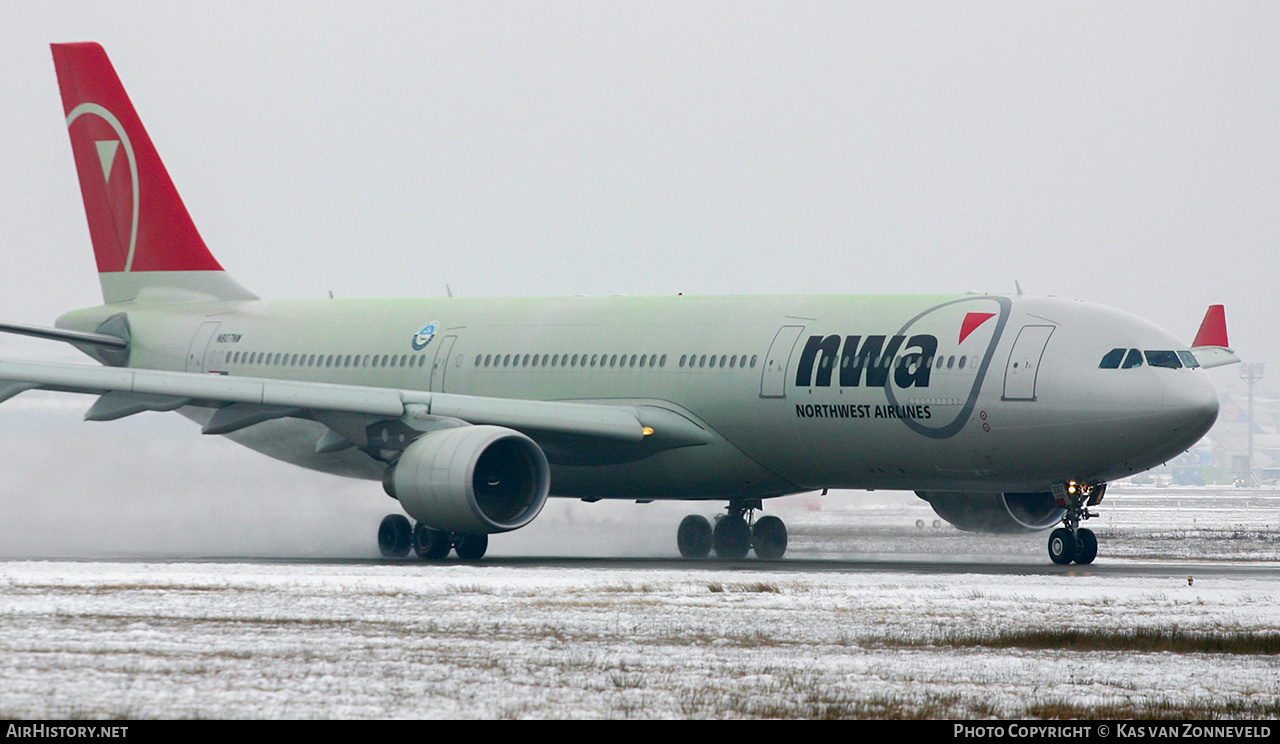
(1251, 372)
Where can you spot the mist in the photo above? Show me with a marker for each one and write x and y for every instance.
(152, 486)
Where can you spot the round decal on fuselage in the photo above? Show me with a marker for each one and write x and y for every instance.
(423, 337)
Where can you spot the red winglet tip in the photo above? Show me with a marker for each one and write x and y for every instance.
(1213, 329)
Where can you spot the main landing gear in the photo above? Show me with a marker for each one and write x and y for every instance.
(734, 534)
(396, 537)
(1071, 542)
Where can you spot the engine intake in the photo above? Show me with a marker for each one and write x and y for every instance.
(995, 511)
(471, 479)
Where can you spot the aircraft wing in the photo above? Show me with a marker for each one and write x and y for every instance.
(1214, 356)
(244, 401)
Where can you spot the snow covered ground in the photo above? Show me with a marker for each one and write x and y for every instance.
(160, 630)
(666, 640)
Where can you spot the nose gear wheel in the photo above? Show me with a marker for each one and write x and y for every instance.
(1072, 543)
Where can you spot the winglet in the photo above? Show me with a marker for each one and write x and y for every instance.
(1211, 347)
(1213, 329)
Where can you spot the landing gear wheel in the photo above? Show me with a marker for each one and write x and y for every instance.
(1062, 546)
(694, 536)
(429, 544)
(1086, 546)
(471, 547)
(731, 537)
(394, 536)
(769, 538)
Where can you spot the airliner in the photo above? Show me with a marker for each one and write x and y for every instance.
(1004, 413)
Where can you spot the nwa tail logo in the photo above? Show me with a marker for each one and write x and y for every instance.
(423, 337)
(110, 190)
(872, 357)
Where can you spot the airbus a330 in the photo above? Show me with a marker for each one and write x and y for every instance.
(1005, 413)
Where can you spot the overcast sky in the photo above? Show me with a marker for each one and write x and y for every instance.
(1123, 153)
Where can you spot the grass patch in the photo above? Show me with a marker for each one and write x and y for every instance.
(1150, 640)
(756, 587)
(1158, 709)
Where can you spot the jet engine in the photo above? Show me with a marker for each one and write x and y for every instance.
(471, 479)
(995, 511)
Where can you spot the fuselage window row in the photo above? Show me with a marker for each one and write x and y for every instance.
(632, 361)
(283, 359)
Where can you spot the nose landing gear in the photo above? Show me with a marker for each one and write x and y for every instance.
(1071, 542)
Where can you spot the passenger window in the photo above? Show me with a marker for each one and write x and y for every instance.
(1111, 360)
(1188, 359)
(1133, 359)
(1167, 359)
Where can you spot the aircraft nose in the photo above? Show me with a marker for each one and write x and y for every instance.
(1190, 406)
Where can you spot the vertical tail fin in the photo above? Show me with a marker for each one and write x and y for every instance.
(145, 243)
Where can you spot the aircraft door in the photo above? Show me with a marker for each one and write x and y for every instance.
(773, 378)
(198, 350)
(1024, 362)
(441, 365)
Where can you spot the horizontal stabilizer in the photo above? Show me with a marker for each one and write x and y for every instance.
(60, 334)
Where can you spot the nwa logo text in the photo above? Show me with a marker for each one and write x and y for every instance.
(872, 356)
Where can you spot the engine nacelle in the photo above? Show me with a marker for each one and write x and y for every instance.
(994, 511)
(471, 479)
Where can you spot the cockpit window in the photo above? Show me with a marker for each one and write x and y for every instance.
(1134, 359)
(1112, 359)
(1164, 359)
(1188, 359)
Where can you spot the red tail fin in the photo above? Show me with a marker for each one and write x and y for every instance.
(142, 234)
(1213, 329)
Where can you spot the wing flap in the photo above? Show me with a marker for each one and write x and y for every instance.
(614, 422)
(117, 404)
